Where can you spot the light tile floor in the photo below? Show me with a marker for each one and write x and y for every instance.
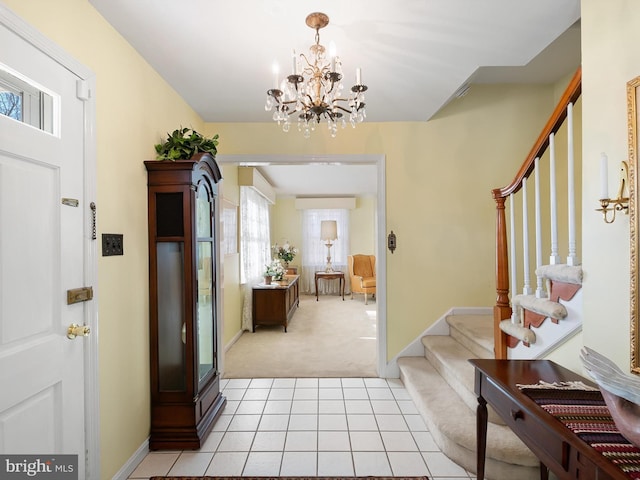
(312, 427)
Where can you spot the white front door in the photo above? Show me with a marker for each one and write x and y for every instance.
(43, 242)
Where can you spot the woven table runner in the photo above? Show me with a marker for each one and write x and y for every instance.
(585, 413)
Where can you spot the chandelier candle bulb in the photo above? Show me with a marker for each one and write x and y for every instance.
(275, 70)
(604, 176)
(332, 52)
(358, 76)
(295, 66)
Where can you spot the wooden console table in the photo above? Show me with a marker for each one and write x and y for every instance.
(275, 304)
(556, 446)
(330, 276)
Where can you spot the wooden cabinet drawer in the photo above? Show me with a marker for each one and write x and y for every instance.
(531, 431)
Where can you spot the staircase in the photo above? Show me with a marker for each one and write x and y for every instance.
(524, 326)
(441, 385)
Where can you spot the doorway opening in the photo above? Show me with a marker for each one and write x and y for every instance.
(378, 161)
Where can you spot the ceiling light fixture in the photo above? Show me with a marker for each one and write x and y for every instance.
(313, 92)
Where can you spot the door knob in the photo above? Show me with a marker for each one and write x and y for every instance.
(76, 330)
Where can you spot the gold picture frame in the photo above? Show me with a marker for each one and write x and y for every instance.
(633, 98)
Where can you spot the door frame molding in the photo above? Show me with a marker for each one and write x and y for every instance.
(379, 160)
(91, 381)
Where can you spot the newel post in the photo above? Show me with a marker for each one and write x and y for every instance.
(502, 308)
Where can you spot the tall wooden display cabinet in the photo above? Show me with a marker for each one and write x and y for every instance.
(185, 383)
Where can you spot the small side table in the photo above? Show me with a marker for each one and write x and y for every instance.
(330, 276)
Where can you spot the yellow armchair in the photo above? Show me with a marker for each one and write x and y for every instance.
(362, 271)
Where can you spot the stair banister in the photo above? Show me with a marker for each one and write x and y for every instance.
(502, 308)
(571, 95)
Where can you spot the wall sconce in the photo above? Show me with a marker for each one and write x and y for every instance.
(613, 205)
(328, 232)
(391, 242)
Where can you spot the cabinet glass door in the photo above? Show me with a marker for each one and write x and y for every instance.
(205, 352)
(171, 326)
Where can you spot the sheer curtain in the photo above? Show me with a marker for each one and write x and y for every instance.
(314, 251)
(255, 247)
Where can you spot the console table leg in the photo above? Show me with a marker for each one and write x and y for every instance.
(544, 472)
(481, 436)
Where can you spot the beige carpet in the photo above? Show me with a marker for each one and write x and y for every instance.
(328, 338)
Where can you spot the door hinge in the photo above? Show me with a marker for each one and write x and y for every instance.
(82, 90)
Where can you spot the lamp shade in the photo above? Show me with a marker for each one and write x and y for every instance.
(328, 230)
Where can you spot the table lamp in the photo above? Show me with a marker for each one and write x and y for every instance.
(328, 232)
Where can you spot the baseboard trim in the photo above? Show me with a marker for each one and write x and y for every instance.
(233, 340)
(131, 464)
(439, 327)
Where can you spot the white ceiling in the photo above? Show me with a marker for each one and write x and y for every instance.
(414, 54)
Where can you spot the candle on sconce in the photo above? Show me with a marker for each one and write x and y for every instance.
(358, 76)
(295, 64)
(604, 176)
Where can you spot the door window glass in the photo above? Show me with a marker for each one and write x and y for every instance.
(26, 102)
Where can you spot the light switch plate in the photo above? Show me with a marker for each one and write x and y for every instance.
(112, 244)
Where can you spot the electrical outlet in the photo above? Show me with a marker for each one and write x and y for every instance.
(112, 244)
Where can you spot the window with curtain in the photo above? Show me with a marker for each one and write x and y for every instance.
(255, 246)
(256, 237)
(314, 251)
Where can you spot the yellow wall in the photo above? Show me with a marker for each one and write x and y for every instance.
(135, 109)
(610, 57)
(286, 225)
(439, 176)
(362, 222)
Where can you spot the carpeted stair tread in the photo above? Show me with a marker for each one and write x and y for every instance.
(473, 331)
(561, 273)
(542, 306)
(450, 360)
(453, 425)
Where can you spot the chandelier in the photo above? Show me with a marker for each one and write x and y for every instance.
(314, 91)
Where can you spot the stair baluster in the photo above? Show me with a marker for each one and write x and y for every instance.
(554, 258)
(540, 291)
(572, 258)
(515, 317)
